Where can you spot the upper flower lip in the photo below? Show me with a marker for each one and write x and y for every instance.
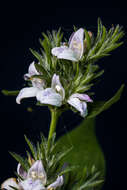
(31, 71)
(83, 97)
(75, 50)
(78, 101)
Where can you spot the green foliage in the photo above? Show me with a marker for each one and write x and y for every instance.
(32, 148)
(80, 76)
(85, 146)
(21, 160)
(10, 93)
(52, 161)
(105, 42)
(86, 150)
(50, 158)
(97, 107)
(83, 181)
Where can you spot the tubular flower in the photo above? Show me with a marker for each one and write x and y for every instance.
(37, 84)
(78, 101)
(34, 179)
(54, 95)
(75, 50)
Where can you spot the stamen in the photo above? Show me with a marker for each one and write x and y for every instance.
(36, 80)
(58, 88)
(33, 174)
(77, 45)
(51, 188)
(41, 176)
(39, 80)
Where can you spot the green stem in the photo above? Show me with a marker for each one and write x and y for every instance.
(54, 118)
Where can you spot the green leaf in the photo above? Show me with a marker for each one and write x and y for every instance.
(63, 154)
(10, 93)
(97, 107)
(68, 169)
(92, 184)
(105, 42)
(88, 40)
(37, 55)
(86, 151)
(32, 148)
(46, 44)
(42, 70)
(100, 27)
(22, 161)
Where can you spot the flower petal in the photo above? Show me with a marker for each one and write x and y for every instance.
(26, 93)
(9, 182)
(79, 105)
(63, 52)
(31, 71)
(84, 109)
(76, 43)
(38, 168)
(49, 96)
(38, 83)
(59, 182)
(30, 184)
(68, 54)
(57, 86)
(21, 172)
(71, 38)
(58, 50)
(84, 97)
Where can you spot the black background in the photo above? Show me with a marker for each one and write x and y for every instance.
(20, 28)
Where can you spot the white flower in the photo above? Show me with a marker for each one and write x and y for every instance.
(37, 85)
(75, 50)
(51, 96)
(54, 95)
(78, 101)
(31, 71)
(8, 183)
(21, 171)
(34, 179)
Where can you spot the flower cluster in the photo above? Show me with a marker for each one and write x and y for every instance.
(61, 79)
(55, 95)
(34, 179)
